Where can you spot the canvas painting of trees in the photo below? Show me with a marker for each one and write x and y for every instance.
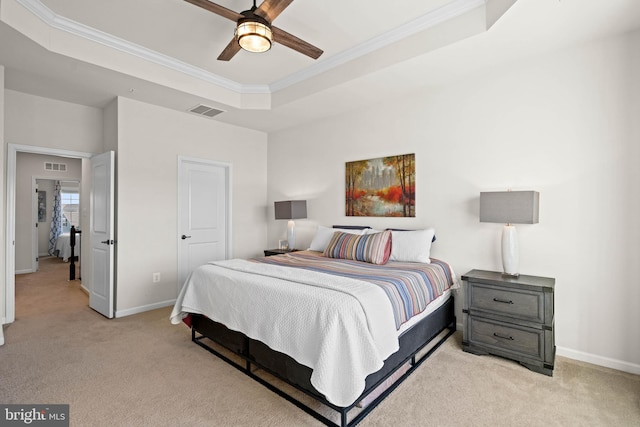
(381, 187)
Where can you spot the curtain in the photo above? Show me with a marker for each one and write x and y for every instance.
(56, 219)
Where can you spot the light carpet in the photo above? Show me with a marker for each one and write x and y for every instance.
(142, 371)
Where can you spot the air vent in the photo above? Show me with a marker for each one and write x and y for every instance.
(55, 167)
(205, 110)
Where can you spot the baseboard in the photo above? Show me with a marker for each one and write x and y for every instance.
(607, 362)
(30, 270)
(143, 308)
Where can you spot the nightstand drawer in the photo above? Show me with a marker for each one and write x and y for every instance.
(521, 340)
(511, 317)
(516, 303)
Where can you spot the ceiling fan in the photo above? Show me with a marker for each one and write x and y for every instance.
(254, 31)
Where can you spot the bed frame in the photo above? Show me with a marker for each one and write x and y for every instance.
(432, 331)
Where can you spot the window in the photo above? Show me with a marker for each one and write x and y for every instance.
(70, 210)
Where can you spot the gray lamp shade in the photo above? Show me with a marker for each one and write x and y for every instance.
(291, 209)
(509, 207)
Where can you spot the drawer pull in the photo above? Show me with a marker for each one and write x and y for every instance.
(504, 301)
(497, 335)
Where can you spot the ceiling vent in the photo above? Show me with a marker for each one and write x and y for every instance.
(205, 110)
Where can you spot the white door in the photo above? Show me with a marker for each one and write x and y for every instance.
(101, 296)
(203, 214)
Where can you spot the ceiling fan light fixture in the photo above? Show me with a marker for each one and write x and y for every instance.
(254, 34)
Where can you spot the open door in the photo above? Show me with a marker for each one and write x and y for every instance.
(101, 228)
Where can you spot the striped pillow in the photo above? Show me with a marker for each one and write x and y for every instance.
(373, 248)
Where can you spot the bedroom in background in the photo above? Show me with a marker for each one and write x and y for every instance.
(35, 251)
(31, 169)
(45, 244)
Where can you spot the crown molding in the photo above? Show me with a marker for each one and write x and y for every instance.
(78, 29)
(418, 25)
(449, 11)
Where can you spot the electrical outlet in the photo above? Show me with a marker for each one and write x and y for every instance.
(156, 277)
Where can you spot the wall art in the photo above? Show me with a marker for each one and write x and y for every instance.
(42, 206)
(385, 186)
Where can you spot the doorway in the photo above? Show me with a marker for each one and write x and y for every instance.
(60, 199)
(10, 255)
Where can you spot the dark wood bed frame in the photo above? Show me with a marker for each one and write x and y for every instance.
(432, 330)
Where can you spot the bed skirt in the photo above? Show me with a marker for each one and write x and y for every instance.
(430, 330)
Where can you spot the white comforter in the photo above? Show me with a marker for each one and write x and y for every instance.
(341, 328)
(63, 246)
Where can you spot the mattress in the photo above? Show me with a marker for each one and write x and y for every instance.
(63, 246)
(341, 327)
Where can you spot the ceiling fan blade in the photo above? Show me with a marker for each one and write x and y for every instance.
(270, 9)
(229, 52)
(293, 42)
(217, 9)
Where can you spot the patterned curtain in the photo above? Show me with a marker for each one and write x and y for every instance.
(56, 219)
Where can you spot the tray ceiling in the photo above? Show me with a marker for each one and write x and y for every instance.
(164, 51)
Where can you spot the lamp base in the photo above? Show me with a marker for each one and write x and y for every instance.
(510, 251)
(291, 234)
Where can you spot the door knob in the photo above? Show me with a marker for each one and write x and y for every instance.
(185, 237)
(107, 242)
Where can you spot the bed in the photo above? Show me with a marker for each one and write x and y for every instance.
(345, 325)
(63, 246)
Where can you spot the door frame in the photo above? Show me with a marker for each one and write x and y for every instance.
(228, 197)
(34, 211)
(10, 235)
(35, 252)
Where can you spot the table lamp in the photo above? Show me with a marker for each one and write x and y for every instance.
(290, 210)
(509, 207)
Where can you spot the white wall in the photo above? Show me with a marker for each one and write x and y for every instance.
(564, 124)
(150, 139)
(44, 122)
(29, 166)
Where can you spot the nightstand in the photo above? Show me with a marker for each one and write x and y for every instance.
(269, 252)
(511, 317)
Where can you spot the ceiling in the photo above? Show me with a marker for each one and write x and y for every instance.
(164, 51)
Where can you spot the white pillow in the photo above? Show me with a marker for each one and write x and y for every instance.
(323, 236)
(411, 246)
